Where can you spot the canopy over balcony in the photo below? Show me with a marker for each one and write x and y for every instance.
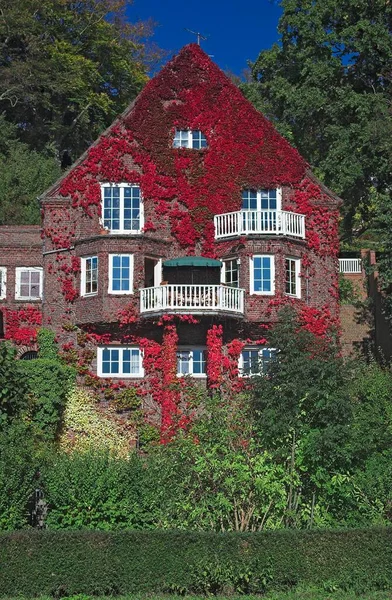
(259, 222)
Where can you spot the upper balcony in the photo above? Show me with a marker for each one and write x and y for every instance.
(192, 299)
(259, 222)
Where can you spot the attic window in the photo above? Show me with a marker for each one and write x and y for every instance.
(187, 138)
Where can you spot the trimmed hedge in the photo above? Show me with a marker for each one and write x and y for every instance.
(60, 563)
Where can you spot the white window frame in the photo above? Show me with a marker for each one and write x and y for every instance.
(3, 283)
(131, 269)
(191, 350)
(122, 187)
(224, 271)
(258, 201)
(259, 350)
(186, 139)
(252, 276)
(297, 263)
(18, 273)
(83, 273)
(120, 374)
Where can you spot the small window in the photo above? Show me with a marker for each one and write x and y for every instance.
(191, 361)
(261, 200)
(255, 361)
(3, 282)
(122, 208)
(120, 274)
(28, 283)
(230, 272)
(120, 361)
(30, 355)
(262, 275)
(89, 276)
(292, 278)
(187, 138)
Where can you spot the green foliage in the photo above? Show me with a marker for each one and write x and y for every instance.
(327, 87)
(13, 387)
(24, 174)
(17, 475)
(46, 343)
(49, 382)
(68, 69)
(96, 491)
(348, 294)
(85, 428)
(95, 563)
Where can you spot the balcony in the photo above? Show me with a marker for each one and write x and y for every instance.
(350, 265)
(192, 299)
(259, 222)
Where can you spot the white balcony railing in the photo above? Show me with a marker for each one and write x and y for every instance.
(350, 265)
(271, 222)
(192, 299)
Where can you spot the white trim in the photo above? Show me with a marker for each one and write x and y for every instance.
(3, 283)
(191, 350)
(131, 268)
(297, 262)
(83, 269)
(18, 272)
(252, 278)
(121, 229)
(259, 350)
(121, 373)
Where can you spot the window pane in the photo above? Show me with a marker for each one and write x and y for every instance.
(183, 360)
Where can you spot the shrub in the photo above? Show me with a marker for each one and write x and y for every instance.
(98, 563)
(13, 387)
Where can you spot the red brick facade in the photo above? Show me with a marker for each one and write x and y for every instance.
(179, 200)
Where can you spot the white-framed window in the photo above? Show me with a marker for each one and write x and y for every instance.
(28, 283)
(260, 200)
(187, 138)
(255, 361)
(120, 361)
(3, 282)
(120, 274)
(262, 274)
(292, 277)
(89, 276)
(191, 361)
(122, 208)
(230, 272)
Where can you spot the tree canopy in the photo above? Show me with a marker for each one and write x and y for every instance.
(327, 86)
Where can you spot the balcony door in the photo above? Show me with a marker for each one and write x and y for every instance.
(152, 272)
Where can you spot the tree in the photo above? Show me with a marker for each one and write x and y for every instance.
(328, 89)
(24, 173)
(67, 69)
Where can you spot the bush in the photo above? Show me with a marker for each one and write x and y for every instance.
(13, 387)
(49, 382)
(97, 563)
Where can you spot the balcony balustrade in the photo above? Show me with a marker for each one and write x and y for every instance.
(263, 222)
(350, 265)
(194, 299)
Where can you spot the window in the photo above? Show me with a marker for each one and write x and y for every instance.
(262, 199)
(28, 284)
(230, 272)
(89, 276)
(185, 138)
(120, 274)
(122, 210)
(292, 278)
(255, 361)
(191, 361)
(3, 281)
(120, 361)
(30, 355)
(262, 275)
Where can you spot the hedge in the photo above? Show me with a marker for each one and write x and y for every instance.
(60, 563)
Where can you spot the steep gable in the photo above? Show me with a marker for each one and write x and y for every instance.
(186, 187)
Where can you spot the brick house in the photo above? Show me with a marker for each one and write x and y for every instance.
(172, 243)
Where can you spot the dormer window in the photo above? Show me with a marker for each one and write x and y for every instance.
(187, 138)
(122, 208)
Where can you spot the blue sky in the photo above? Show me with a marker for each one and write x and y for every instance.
(236, 30)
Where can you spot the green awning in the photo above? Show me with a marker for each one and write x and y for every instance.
(192, 261)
